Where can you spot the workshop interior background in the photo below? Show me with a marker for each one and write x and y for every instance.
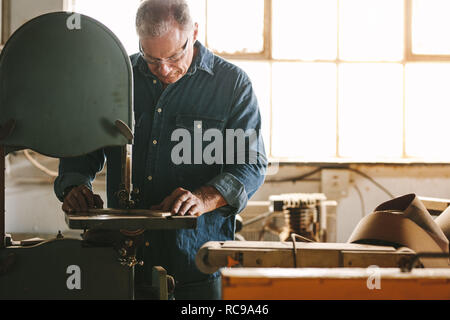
(358, 88)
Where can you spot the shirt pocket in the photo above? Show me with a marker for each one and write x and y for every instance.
(196, 172)
(191, 122)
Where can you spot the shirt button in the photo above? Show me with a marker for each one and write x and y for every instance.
(159, 110)
(150, 178)
(155, 142)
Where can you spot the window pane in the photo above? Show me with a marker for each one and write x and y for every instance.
(371, 30)
(431, 27)
(236, 26)
(259, 73)
(198, 13)
(314, 23)
(304, 110)
(119, 16)
(428, 110)
(370, 110)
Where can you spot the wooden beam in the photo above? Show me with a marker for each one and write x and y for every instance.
(435, 204)
(6, 21)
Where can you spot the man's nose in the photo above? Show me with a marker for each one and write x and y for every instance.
(164, 69)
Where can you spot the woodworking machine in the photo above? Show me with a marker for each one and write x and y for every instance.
(67, 90)
(392, 242)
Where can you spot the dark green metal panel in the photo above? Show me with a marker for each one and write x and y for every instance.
(42, 272)
(64, 88)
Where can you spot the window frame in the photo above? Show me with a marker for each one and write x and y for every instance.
(5, 21)
(266, 54)
(409, 56)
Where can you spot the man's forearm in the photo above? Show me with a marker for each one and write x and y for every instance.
(211, 198)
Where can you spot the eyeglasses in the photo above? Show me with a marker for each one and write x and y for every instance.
(171, 60)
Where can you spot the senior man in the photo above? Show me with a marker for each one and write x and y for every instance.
(180, 85)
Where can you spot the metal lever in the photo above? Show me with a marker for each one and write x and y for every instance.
(125, 130)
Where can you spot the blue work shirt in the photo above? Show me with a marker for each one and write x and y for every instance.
(213, 94)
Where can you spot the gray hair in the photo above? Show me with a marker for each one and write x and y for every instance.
(154, 18)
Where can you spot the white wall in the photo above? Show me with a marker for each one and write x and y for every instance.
(31, 205)
(423, 180)
(24, 10)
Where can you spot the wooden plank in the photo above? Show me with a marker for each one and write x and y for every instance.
(215, 257)
(126, 212)
(303, 245)
(435, 204)
(361, 259)
(333, 283)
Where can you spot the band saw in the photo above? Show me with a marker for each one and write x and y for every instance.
(66, 92)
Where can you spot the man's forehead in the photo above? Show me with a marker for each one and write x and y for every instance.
(165, 46)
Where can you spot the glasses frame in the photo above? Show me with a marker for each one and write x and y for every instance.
(170, 61)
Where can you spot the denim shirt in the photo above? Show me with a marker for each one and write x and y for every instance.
(213, 94)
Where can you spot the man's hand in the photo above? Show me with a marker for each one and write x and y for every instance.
(80, 199)
(182, 202)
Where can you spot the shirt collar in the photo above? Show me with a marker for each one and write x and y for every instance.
(204, 60)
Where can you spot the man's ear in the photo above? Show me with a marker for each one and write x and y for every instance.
(195, 31)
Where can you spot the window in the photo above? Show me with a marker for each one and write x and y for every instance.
(232, 31)
(337, 80)
(117, 15)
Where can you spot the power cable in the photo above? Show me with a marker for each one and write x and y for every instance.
(302, 177)
(361, 199)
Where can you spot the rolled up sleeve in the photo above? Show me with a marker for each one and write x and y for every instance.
(231, 189)
(240, 180)
(78, 171)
